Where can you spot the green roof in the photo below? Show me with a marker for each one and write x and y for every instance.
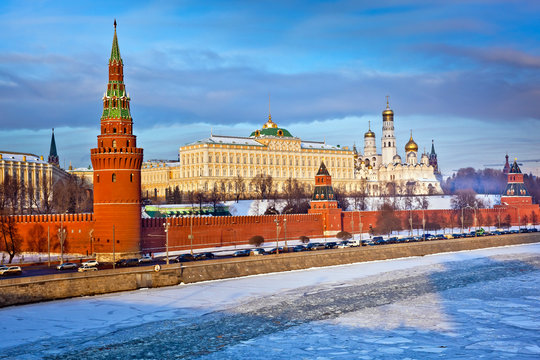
(279, 132)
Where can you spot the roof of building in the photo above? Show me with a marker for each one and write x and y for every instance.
(323, 170)
(515, 168)
(52, 151)
(15, 156)
(229, 140)
(321, 145)
(115, 51)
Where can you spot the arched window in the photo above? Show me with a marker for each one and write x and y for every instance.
(114, 143)
(113, 177)
(131, 178)
(114, 130)
(97, 178)
(128, 143)
(124, 130)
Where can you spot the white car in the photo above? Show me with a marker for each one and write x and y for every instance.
(87, 268)
(11, 270)
(90, 263)
(145, 259)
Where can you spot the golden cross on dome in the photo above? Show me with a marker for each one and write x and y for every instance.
(387, 102)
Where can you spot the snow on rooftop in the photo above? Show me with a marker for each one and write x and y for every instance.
(19, 157)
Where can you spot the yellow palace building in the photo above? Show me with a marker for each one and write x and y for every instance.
(269, 151)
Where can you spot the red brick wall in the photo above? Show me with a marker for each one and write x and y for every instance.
(225, 230)
(446, 218)
(34, 230)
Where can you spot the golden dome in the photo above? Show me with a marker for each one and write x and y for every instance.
(411, 145)
(369, 134)
(269, 124)
(387, 111)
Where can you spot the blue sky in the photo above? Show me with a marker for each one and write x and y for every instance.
(464, 73)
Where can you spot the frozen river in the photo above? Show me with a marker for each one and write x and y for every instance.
(475, 304)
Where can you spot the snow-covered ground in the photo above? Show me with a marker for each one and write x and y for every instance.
(471, 304)
(436, 202)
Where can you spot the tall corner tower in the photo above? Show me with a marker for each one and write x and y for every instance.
(388, 139)
(117, 169)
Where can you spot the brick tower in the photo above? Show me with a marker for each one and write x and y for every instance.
(117, 170)
(516, 193)
(324, 202)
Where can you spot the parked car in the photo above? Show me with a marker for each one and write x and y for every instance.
(315, 246)
(258, 251)
(145, 259)
(204, 256)
(66, 266)
(367, 242)
(330, 245)
(274, 250)
(10, 270)
(90, 263)
(392, 240)
(354, 242)
(87, 268)
(379, 240)
(184, 258)
(244, 252)
(343, 244)
(299, 248)
(127, 262)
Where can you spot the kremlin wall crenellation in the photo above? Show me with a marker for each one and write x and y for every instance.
(119, 176)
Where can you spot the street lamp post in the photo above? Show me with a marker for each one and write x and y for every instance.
(423, 225)
(285, 229)
(474, 224)
(410, 222)
(191, 234)
(166, 226)
(277, 235)
(61, 236)
(462, 220)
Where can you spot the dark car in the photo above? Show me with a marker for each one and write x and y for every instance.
(204, 256)
(299, 248)
(392, 240)
(274, 250)
(127, 262)
(244, 252)
(379, 240)
(330, 245)
(184, 258)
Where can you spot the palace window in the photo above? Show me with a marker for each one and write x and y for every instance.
(114, 143)
(113, 177)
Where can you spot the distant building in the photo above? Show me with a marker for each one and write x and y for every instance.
(30, 171)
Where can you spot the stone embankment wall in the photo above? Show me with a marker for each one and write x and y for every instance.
(52, 287)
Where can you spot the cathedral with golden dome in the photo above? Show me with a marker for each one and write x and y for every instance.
(387, 173)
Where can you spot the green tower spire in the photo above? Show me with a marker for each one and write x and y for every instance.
(115, 51)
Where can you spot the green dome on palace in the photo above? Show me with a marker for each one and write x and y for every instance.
(271, 132)
(271, 129)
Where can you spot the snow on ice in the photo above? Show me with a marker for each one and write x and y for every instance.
(471, 304)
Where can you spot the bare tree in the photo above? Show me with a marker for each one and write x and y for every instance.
(215, 196)
(239, 187)
(262, 185)
(387, 221)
